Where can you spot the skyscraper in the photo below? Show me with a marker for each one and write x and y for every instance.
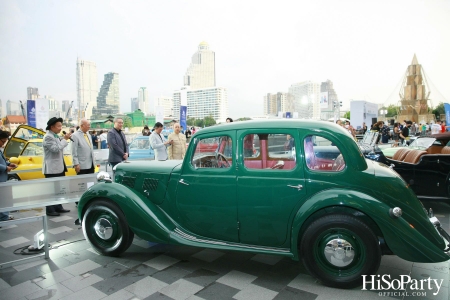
(143, 99)
(279, 102)
(108, 100)
(306, 99)
(13, 108)
(203, 103)
(200, 93)
(167, 104)
(134, 104)
(32, 93)
(87, 87)
(328, 112)
(202, 71)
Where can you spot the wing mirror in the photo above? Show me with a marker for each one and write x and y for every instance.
(14, 160)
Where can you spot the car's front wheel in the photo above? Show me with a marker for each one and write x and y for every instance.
(106, 228)
(339, 249)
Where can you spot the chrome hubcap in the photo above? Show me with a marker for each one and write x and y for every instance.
(339, 252)
(103, 229)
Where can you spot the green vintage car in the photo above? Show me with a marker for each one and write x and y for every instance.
(296, 188)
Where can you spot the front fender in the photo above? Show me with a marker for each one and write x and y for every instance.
(145, 219)
(402, 239)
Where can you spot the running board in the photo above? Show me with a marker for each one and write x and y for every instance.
(194, 241)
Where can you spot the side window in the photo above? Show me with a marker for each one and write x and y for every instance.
(269, 151)
(33, 149)
(322, 155)
(213, 152)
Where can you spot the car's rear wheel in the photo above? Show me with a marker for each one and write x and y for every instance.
(339, 249)
(106, 228)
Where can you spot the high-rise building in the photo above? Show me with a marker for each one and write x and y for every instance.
(87, 87)
(203, 103)
(108, 100)
(13, 108)
(167, 104)
(32, 93)
(143, 99)
(279, 102)
(200, 93)
(306, 99)
(134, 104)
(52, 103)
(202, 71)
(328, 110)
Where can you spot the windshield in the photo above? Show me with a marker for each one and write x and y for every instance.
(140, 144)
(422, 143)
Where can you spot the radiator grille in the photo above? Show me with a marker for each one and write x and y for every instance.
(150, 184)
(128, 181)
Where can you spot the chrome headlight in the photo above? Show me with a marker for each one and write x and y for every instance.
(103, 176)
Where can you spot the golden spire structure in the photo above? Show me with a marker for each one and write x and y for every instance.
(413, 103)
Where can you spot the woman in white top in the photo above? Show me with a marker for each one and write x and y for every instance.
(178, 147)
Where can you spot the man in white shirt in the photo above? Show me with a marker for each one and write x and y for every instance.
(159, 143)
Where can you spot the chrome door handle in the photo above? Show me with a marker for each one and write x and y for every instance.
(298, 187)
(182, 182)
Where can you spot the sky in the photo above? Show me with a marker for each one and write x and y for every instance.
(363, 47)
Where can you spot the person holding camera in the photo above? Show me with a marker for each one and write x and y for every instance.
(159, 143)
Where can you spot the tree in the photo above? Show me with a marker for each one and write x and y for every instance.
(392, 111)
(209, 121)
(199, 122)
(439, 110)
(127, 122)
(190, 121)
(347, 115)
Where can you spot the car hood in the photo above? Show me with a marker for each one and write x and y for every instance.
(153, 166)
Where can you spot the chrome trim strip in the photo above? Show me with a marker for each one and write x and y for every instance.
(189, 237)
(433, 197)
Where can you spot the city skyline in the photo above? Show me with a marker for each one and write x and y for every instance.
(345, 42)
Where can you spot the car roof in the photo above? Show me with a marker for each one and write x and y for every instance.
(278, 123)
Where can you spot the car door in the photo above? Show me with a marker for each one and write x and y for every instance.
(270, 186)
(206, 190)
(19, 138)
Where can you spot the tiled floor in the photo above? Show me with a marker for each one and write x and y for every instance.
(157, 271)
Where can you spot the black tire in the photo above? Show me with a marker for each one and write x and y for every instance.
(106, 228)
(338, 249)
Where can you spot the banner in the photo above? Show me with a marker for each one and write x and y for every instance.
(41, 113)
(447, 114)
(183, 110)
(288, 115)
(159, 115)
(324, 100)
(31, 113)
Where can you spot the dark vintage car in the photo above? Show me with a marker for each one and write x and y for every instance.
(296, 188)
(424, 165)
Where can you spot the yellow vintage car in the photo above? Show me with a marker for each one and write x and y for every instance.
(24, 148)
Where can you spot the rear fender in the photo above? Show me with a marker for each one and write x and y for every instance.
(145, 219)
(403, 240)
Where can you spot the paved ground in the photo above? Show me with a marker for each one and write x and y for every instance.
(157, 271)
